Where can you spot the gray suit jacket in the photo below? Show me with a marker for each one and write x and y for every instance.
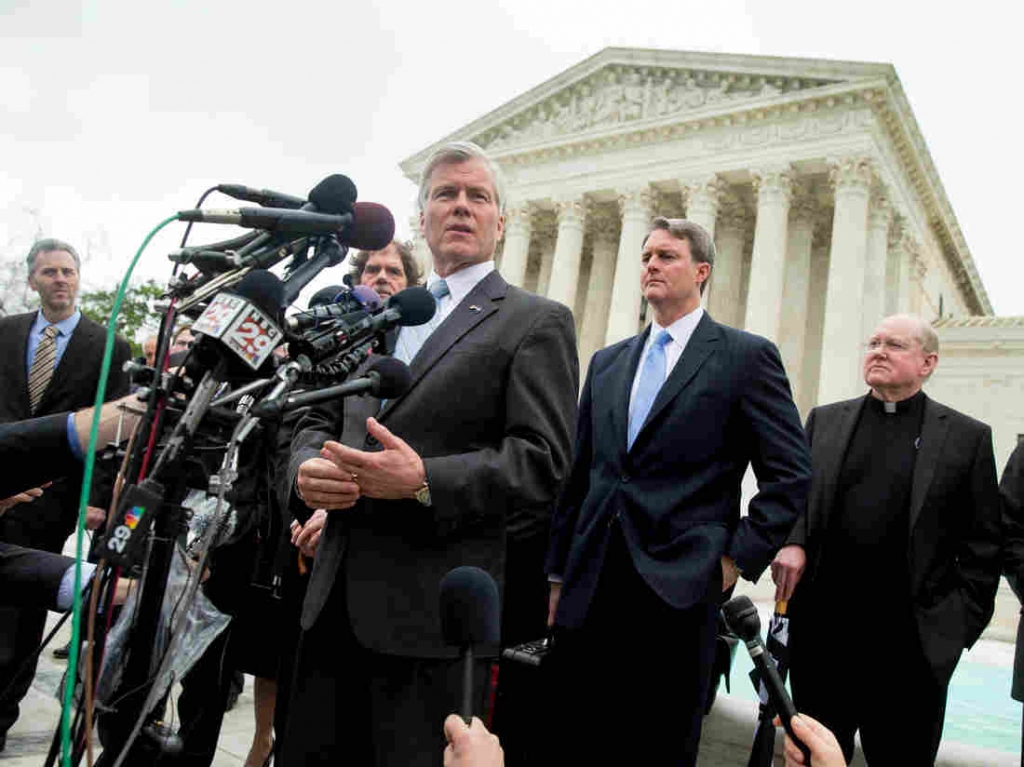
(953, 555)
(491, 410)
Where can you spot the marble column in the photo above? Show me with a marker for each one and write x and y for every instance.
(818, 285)
(599, 287)
(875, 262)
(702, 198)
(796, 288)
(767, 265)
(903, 252)
(727, 274)
(420, 251)
(624, 312)
(517, 244)
(917, 301)
(840, 375)
(547, 259)
(892, 266)
(565, 267)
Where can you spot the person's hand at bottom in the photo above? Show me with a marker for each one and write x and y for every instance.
(824, 748)
(470, 746)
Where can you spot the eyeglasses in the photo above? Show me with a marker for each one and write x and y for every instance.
(891, 345)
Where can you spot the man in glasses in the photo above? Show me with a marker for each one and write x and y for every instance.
(897, 556)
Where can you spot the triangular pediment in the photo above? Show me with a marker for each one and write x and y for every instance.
(624, 88)
(617, 95)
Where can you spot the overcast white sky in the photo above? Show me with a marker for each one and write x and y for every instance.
(115, 114)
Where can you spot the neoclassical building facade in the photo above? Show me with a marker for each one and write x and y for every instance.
(811, 175)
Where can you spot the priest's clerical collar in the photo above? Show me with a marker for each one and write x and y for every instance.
(892, 408)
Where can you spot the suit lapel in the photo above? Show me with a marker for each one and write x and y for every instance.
(934, 427)
(479, 304)
(19, 374)
(619, 382)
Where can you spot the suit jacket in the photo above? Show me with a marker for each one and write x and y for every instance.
(1011, 493)
(491, 412)
(31, 451)
(676, 492)
(46, 522)
(953, 553)
(30, 578)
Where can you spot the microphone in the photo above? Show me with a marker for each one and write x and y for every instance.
(335, 194)
(267, 197)
(343, 301)
(412, 306)
(386, 378)
(741, 616)
(369, 226)
(327, 295)
(245, 321)
(469, 616)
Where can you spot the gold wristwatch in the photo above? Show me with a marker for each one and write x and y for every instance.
(423, 494)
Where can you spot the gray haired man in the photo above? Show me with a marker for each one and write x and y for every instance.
(471, 457)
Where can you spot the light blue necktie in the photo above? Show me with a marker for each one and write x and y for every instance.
(652, 376)
(412, 337)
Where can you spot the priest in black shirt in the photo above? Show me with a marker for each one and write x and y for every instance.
(893, 570)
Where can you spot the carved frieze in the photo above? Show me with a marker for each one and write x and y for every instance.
(620, 94)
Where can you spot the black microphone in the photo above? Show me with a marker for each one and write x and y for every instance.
(368, 226)
(741, 616)
(335, 194)
(413, 306)
(341, 301)
(386, 378)
(470, 616)
(327, 295)
(267, 197)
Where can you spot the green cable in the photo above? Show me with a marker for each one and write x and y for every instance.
(83, 501)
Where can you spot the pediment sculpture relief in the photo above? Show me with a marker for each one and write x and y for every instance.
(618, 95)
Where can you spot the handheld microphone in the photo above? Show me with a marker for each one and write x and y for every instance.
(335, 194)
(386, 378)
(741, 616)
(470, 616)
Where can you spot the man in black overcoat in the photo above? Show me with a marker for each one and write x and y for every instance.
(896, 563)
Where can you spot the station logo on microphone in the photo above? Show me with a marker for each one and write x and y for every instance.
(242, 327)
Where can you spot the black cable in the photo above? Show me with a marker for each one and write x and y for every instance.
(188, 227)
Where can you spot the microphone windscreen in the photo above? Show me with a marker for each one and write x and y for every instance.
(469, 607)
(326, 295)
(367, 297)
(394, 377)
(373, 227)
(335, 194)
(741, 616)
(416, 305)
(264, 290)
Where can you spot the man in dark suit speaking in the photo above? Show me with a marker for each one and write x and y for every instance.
(896, 563)
(648, 533)
(426, 482)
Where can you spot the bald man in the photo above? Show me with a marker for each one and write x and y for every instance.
(894, 567)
